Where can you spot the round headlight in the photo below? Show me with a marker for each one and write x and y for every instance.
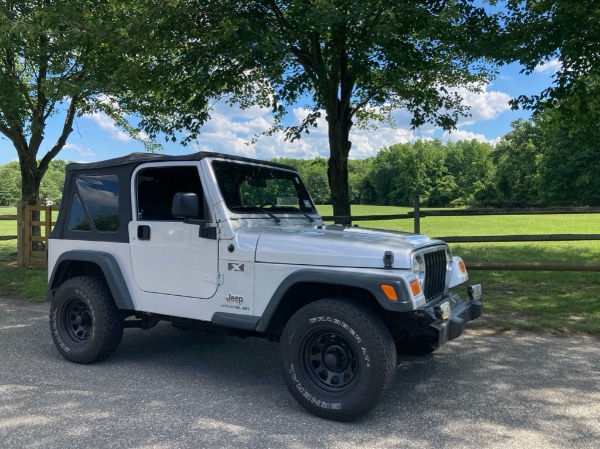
(419, 269)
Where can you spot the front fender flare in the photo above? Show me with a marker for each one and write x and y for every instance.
(369, 282)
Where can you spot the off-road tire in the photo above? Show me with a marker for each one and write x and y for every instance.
(415, 346)
(85, 323)
(338, 358)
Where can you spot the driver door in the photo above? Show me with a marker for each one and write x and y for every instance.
(169, 256)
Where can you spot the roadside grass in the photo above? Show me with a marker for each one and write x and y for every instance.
(559, 302)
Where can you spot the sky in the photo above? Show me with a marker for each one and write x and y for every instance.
(230, 129)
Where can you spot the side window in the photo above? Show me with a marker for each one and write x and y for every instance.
(79, 220)
(100, 195)
(156, 187)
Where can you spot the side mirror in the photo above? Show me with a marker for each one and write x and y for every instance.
(185, 205)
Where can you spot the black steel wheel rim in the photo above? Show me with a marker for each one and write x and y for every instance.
(77, 320)
(329, 361)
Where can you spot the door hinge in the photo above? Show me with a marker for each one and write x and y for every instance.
(213, 278)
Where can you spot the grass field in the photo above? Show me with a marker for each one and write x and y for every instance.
(551, 301)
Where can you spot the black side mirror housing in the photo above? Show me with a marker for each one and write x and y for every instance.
(185, 205)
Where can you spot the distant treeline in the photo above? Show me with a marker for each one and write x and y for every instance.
(50, 188)
(538, 163)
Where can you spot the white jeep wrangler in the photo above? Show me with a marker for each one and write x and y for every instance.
(210, 240)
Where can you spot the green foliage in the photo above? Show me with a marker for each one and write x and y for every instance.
(571, 161)
(444, 192)
(314, 174)
(404, 170)
(51, 186)
(66, 58)
(469, 163)
(356, 60)
(10, 183)
(541, 30)
(441, 174)
(517, 158)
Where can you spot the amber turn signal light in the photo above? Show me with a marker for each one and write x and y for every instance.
(390, 292)
(415, 287)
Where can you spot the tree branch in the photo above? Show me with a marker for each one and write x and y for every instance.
(367, 100)
(62, 139)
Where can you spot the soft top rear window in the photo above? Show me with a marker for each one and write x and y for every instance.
(100, 195)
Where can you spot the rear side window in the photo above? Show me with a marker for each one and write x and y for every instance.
(79, 219)
(100, 198)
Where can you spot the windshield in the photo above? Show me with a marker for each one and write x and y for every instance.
(250, 188)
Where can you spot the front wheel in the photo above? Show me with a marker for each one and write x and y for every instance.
(85, 323)
(338, 358)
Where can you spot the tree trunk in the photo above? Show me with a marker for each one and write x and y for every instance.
(337, 167)
(31, 179)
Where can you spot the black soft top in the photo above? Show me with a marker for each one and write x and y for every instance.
(123, 168)
(141, 158)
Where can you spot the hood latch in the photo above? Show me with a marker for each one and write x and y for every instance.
(388, 260)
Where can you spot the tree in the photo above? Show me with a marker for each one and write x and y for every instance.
(314, 173)
(356, 60)
(540, 31)
(469, 163)
(404, 170)
(57, 58)
(10, 183)
(518, 157)
(571, 160)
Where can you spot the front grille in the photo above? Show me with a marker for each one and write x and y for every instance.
(435, 274)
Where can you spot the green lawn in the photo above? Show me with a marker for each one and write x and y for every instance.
(551, 301)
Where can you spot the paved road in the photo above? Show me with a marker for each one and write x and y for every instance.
(165, 388)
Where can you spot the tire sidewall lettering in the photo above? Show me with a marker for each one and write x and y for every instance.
(305, 391)
(57, 329)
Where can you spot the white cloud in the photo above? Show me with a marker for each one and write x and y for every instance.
(231, 129)
(226, 132)
(459, 134)
(107, 124)
(83, 151)
(483, 105)
(551, 67)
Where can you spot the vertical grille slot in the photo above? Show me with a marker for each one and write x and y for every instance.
(435, 274)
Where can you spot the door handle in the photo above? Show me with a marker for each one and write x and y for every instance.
(143, 232)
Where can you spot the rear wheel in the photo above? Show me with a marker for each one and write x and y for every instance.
(86, 324)
(338, 358)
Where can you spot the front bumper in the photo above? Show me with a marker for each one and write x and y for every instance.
(462, 312)
(445, 319)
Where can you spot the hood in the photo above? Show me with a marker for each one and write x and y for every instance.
(336, 246)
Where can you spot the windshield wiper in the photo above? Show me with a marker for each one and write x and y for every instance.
(308, 217)
(277, 220)
(284, 209)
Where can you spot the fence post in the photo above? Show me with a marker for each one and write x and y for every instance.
(417, 214)
(21, 240)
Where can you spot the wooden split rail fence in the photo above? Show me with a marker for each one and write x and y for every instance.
(34, 224)
(416, 214)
